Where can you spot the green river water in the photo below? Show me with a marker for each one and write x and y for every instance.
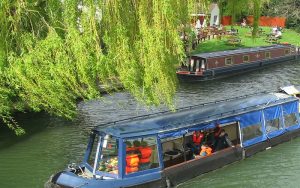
(52, 143)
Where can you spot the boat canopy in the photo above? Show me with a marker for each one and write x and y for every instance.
(247, 110)
(238, 51)
(291, 90)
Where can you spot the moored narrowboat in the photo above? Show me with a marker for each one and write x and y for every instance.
(158, 150)
(208, 66)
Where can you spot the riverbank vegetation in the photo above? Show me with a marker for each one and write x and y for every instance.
(53, 53)
(289, 9)
(288, 36)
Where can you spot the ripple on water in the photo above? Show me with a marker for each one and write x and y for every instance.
(56, 142)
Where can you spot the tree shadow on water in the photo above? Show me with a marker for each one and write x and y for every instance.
(32, 123)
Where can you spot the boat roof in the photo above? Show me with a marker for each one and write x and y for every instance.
(291, 90)
(238, 51)
(186, 117)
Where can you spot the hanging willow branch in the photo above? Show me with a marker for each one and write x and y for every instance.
(256, 16)
(256, 6)
(54, 52)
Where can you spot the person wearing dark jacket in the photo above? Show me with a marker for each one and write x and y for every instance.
(223, 141)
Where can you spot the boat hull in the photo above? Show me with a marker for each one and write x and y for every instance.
(180, 173)
(190, 169)
(217, 73)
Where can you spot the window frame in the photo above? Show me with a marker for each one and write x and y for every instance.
(279, 125)
(95, 170)
(268, 56)
(287, 52)
(258, 124)
(89, 147)
(147, 171)
(192, 65)
(284, 119)
(231, 61)
(248, 58)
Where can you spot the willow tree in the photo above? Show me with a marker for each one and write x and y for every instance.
(54, 52)
(235, 8)
(257, 5)
(221, 5)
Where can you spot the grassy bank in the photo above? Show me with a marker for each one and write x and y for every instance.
(212, 45)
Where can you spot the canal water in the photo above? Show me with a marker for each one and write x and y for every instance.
(52, 143)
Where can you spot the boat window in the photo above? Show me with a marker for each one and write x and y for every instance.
(272, 125)
(109, 155)
(287, 51)
(228, 61)
(268, 55)
(232, 129)
(202, 64)
(197, 65)
(290, 120)
(172, 151)
(246, 58)
(192, 65)
(141, 154)
(252, 131)
(92, 156)
(195, 144)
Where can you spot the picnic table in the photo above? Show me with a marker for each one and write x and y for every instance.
(259, 33)
(230, 32)
(234, 41)
(272, 39)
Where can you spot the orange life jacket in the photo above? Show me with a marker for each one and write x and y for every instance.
(197, 140)
(132, 163)
(130, 149)
(146, 154)
(205, 151)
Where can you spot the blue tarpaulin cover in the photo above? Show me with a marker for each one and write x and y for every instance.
(272, 114)
(290, 108)
(250, 119)
(248, 111)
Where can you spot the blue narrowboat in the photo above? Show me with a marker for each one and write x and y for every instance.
(155, 150)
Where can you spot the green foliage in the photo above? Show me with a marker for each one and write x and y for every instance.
(256, 16)
(288, 35)
(55, 52)
(289, 9)
(237, 8)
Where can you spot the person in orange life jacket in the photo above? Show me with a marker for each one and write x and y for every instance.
(133, 146)
(198, 137)
(205, 150)
(128, 146)
(132, 159)
(197, 141)
(136, 144)
(146, 153)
